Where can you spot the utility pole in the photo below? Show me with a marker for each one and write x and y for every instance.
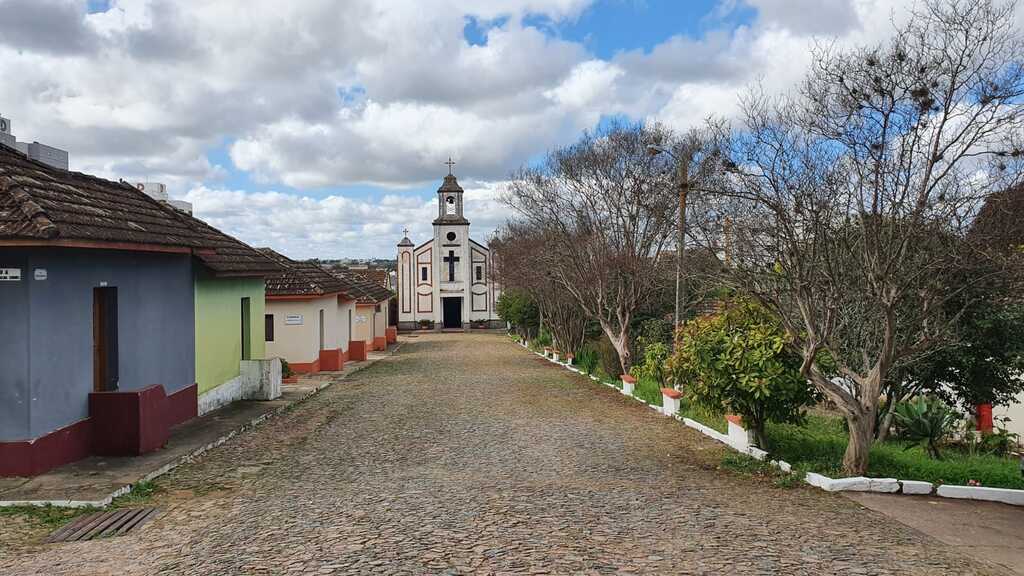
(683, 175)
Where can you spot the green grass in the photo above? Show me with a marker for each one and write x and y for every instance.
(604, 377)
(53, 517)
(50, 516)
(141, 494)
(648, 390)
(818, 446)
(705, 417)
(746, 466)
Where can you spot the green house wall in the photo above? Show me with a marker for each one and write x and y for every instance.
(219, 327)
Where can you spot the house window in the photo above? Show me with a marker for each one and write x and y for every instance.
(378, 308)
(268, 327)
(423, 274)
(479, 273)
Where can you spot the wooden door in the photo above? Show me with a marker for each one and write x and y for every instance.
(104, 340)
(246, 331)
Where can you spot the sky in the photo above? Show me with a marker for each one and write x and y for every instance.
(320, 128)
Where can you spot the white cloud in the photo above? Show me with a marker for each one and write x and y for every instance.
(312, 95)
(338, 226)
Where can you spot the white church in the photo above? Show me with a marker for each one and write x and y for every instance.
(447, 280)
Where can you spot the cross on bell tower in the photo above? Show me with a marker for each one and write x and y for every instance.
(450, 163)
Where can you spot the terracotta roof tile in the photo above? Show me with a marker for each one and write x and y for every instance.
(364, 290)
(38, 202)
(302, 278)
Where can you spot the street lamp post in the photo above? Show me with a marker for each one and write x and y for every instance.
(683, 178)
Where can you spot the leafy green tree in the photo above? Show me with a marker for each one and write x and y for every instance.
(737, 361)
(519, 310)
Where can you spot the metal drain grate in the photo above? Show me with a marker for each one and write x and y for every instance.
(102, 524)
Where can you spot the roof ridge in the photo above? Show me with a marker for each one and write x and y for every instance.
(33, 211)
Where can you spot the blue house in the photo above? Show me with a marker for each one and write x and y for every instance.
(97, 342)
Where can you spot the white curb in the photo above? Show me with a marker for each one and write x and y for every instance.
(853, 484)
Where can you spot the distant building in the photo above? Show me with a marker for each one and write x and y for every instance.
(48, 155)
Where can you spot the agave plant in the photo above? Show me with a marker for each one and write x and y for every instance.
(926, 421)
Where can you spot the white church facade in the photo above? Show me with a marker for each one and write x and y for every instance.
(448, 279)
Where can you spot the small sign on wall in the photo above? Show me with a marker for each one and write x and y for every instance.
(360, 319)
(293, 320)
(39, 273)
(10, 274)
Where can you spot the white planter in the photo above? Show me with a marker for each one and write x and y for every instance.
(739, 437)
(627, 388)
(669, 404)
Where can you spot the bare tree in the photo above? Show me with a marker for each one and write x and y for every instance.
(850, 201)
(607, 208)
(516, 247)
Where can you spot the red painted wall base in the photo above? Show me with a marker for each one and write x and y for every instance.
(332, 360)
(119, 424)
(391, 334)
(357, 350)
(380, 343)
(32, 457)
(306, 367)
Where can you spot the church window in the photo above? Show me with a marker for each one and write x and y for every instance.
(423, 274)
(479, 273)
(451, 236)
(268, 327)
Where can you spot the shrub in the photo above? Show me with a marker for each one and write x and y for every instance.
(519, 310)
(587, 358)
(286, 369)
(927, 421)
(650, 332)
(609, 358)
(652, 365)
(736, 361)
(543, 339)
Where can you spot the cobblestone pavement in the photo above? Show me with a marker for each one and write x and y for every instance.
(465, 454)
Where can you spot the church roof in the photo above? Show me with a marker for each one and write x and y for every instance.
(406, 242)
(450, 184)
(47, 206)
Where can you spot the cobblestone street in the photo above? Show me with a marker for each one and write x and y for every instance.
(464, 454)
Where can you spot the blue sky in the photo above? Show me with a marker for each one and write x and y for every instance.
(321, 131)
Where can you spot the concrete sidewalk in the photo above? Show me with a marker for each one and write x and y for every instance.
(987, 531)
(96, 480)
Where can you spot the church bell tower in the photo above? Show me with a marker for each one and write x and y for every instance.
(449, 201)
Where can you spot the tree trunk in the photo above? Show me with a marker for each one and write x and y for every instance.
(886, 425)
(620, 341)
(760, 437)
(862, 433)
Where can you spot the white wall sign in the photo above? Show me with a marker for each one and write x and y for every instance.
(10, 274)
(40, 273)
(360, 319)
(293, 320)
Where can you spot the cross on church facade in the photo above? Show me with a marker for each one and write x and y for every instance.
(450, 163)
(452, 260)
